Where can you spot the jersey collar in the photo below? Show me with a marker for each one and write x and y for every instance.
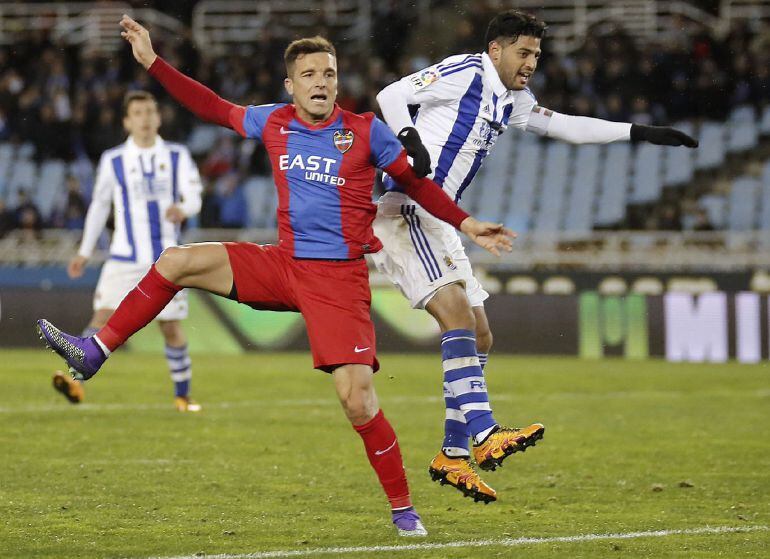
(159, 143)
(329, 121)
(493, 79)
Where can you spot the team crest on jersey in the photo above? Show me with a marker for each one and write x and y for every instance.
(448, 261)
(423, 79)
(343, 140)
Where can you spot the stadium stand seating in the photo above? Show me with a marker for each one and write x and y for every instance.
(531, 184)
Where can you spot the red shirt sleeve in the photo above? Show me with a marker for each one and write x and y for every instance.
(198, 98)
(426, 192)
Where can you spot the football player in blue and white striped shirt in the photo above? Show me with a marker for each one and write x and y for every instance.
(153, 186)
(463, 104)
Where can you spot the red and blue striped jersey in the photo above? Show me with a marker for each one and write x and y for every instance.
(324, 175)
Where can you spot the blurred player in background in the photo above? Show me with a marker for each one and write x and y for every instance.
(324, 161)
(154, 186)
(463, 104)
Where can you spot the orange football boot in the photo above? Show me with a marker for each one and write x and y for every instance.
(459, 473)
(71, 388)
(504, 442)
(185, 403)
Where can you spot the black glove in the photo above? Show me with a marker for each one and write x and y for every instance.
(662, 136)
(411, 141)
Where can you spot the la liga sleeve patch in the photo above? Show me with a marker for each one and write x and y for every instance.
(423, 79)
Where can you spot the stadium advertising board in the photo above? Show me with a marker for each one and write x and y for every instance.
(711, 327)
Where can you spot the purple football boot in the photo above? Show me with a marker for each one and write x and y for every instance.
(83, 355)
(408, 523)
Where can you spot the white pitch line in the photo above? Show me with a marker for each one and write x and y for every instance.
(315, 402)
(504, 542)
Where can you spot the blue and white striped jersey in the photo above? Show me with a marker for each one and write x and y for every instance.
(141, 184)
(462, 108)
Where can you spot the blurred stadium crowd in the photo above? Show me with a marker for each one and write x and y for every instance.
(63, 103)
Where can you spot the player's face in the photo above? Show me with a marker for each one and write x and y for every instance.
(313, 85)
(515, 62)
(142, 120)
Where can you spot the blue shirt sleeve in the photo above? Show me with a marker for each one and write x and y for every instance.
(255, 118)
(385, 146)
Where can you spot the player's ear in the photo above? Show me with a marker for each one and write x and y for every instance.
(493, 49)
(289, 85)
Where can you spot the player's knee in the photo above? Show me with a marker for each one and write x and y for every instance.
(358, 407)
(173, 263)
(450, 307)
(360, 404)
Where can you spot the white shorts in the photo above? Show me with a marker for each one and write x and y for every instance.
(422, 254)
(118, 278)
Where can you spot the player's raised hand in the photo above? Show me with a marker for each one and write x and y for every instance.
(490, 236)
(662, 136)
(139, 38)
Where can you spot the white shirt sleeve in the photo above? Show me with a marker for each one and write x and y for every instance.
(576, 129)
(394, 102)
(99, 210)
(189, 184)
(441, 83)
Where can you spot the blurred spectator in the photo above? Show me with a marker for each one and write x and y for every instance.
(105, 134)
(7, 219)
(75, 207)
(233, 209)
(221, 160)
(209, 216)
(669, 219)
(702, 221)
(28, 218)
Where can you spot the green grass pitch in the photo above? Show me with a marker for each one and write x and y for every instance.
(271, 464)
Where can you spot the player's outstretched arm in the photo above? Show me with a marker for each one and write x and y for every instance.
(198, 98)
(494, 237)
(586, 130)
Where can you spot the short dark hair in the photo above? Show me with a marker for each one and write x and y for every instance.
(511, 25)
(136, 95)
(308, 45)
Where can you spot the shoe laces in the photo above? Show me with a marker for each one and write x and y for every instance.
(507, 431)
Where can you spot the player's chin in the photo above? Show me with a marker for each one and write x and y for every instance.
(319, 108)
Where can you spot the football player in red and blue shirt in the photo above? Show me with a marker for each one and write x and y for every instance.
(324, 161)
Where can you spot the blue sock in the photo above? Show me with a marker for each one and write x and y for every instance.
(456, 432)
(464, 378)
(483, 358)
(180, 367)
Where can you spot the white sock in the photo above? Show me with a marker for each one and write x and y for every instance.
(102, 346)
(484, 434)
(454, 452)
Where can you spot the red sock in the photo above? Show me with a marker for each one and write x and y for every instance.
(143, 303)
(385, 457)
